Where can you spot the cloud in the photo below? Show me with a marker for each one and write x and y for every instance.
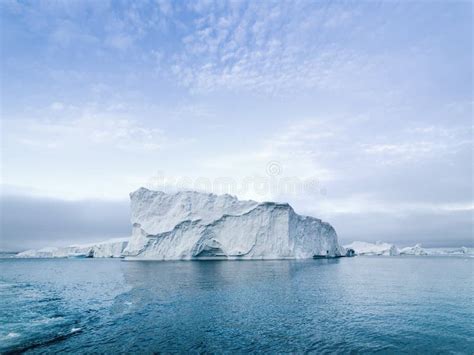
(119, 41)
(67, 34)
(57, 106)
(419, 143)
(263, 47)
(366, 204)
(432, 230)
(166, 7)
(98, 25)
(421, 168)
(35, 222)
(95, 130)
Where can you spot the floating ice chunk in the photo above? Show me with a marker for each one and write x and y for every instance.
(419, 250)
(111, 248)
(415, 250)
(377, 248)
(380, 248)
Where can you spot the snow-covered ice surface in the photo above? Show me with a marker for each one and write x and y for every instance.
(387, 249)
(194, 225)
(111, 248)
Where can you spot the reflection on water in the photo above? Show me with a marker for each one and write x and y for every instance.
(360, 304)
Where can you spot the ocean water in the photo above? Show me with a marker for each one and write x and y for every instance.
(359, 305)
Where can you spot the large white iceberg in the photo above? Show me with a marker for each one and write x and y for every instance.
(111, 248)
(193, 225)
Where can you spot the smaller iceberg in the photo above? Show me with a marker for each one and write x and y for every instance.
(415, 250)
(47, 252)
(388, 249)
(112, 248)
(418, 250)
(377, 248)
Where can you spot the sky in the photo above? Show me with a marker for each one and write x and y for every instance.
(359, 113)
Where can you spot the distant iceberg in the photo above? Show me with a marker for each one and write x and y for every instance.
(377, 248)
(419, 250)
(194, 225)
(112, 248)
(387, 249)
(415, 250)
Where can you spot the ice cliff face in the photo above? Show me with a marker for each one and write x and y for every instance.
(111, 248)
(193, 225)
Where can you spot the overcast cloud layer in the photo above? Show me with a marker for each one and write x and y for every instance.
(365, 106)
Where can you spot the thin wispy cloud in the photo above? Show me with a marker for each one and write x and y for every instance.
(261, 47)
(92, 130)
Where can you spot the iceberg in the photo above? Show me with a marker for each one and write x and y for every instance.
(111, 248)
(191, 225)
(419, 250)
(462, 251)
(415, 250)
(387, 249)
(40, 253)
(377, 248)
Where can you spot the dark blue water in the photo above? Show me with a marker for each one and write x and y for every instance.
(362, 304)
